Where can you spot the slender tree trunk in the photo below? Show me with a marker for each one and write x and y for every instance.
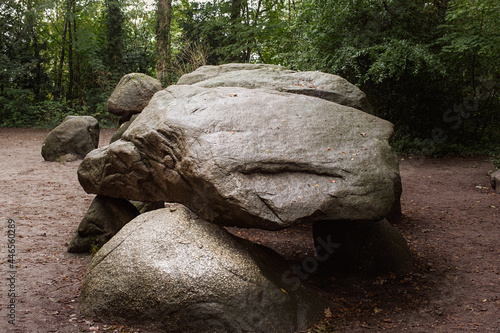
(164, 19)
(38, 70)
(69, 95)
(36, 54)
(77, 58)
(115, 36)
(236, 7)
(61, 62)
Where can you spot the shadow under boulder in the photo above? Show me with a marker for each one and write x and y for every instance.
(362, 247)
(170, 271)
(104, 218)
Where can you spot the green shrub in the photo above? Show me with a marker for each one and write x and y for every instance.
(495, 159)
(17, 108)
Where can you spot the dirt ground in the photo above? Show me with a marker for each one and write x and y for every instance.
(451, 222)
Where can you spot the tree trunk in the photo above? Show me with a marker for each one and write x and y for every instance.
(69, 95)
(115, 34)
(61, 62)
(77, 58)
(37, 83)
(164, 19)
(236, 7)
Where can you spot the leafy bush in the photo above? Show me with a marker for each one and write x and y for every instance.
(17, 108)
(52, 113)
(496, 161)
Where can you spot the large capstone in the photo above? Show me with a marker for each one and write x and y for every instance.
(323, 85)
(75, 136)
(172, 272)
(251, 158)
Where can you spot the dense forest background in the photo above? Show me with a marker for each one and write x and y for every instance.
(432, 67)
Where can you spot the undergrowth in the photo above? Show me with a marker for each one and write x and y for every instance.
(406, 145)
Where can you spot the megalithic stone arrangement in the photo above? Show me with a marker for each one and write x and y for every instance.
(243, 145)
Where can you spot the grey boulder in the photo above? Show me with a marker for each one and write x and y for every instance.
(76, 135)
(326, 86)
(132, 94)
(251, 158)
(169, 271)
(104, 218)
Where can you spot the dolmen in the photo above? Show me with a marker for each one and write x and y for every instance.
(252, 146)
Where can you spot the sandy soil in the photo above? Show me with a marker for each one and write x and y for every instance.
(451, 221)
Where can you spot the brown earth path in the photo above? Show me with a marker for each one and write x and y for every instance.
(451, 221)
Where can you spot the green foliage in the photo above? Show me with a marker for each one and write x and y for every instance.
(235, 31)
(471, 46)
(52, 113)
(36, 73)
(496, 161)
(17, 107)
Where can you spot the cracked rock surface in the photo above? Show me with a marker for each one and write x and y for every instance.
(173, 272)
(251, 158)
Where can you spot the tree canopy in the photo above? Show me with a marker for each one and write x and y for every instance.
(432, 67)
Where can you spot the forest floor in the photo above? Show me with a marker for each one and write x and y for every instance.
(451, 222)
